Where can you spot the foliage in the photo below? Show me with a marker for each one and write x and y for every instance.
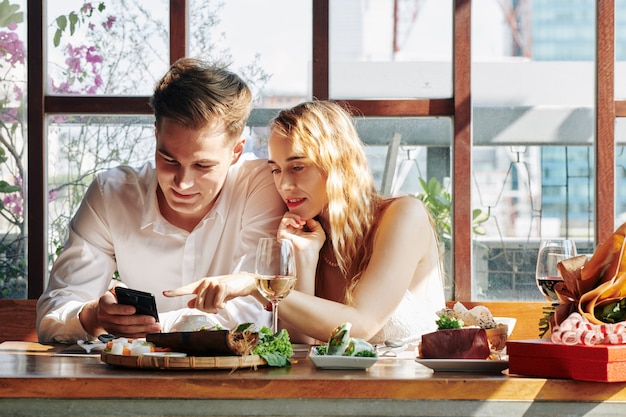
(74, 19)
(276, 349)
(544, 320)
(438, 200)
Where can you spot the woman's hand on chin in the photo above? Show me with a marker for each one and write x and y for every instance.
(307, 236)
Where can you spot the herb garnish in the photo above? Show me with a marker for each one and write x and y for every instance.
(446, 322)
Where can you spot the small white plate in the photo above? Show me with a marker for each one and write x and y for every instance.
(465, 365)
(341, 362)
(166, 354)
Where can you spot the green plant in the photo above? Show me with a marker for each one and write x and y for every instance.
(438, 200)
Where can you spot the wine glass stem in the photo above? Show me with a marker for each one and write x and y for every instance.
(274, 316)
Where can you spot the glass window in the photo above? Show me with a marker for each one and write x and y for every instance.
(533, 100)
(78, 148)
(267, 42)
(378, 53)
(532, 87)
(113, 47)
(13, 170)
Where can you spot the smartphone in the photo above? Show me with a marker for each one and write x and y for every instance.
(144, 302)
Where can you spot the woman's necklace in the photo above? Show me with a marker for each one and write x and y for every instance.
(326, 259)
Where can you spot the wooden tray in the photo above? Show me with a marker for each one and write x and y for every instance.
(184, 363)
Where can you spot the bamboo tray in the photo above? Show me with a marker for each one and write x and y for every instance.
(183, 363)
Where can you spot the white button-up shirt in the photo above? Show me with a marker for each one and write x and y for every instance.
(119, 227)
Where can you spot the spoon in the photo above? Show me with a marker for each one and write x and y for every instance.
(391, 347)
(395, 343)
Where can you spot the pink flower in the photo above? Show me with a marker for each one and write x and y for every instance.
(73, 64)
(9, 116)
(63, 88)
(109, 23)
(52, 195)
(13, 202)
(87, 8)
(18, 92)
(93, 58)
(11, 48)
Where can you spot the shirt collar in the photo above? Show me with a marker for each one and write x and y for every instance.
(152, 216)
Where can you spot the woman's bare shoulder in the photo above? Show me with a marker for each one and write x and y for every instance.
(407, 206)
(405, 214)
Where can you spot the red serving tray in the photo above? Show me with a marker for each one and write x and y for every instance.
(542, 358)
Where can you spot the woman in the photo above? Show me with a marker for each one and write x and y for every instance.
(361, 258)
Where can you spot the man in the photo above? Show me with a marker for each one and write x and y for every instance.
(198, 211)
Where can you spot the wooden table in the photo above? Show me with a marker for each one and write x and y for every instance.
(43, 383)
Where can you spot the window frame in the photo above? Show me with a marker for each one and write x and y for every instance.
(459, 107)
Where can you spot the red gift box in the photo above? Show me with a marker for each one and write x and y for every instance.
(543, 358)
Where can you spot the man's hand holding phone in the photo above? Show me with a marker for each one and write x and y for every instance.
(144, 302)
(116, 313)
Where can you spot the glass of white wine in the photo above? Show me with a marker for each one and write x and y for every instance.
(275, 272)
(551, 252)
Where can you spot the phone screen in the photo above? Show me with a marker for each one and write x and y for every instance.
(144, 302)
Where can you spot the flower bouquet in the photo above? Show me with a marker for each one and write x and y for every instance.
(591, 306)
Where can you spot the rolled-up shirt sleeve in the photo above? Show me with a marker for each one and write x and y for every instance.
(82, 272)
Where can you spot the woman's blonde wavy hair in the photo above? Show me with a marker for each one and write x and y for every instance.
(324, 132)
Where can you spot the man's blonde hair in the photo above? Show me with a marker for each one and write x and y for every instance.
(195, 94)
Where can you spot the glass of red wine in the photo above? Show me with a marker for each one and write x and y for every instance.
(551, 252)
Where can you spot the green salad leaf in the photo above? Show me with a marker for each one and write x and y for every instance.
(446, 322)
(275, 349)
(321, 349)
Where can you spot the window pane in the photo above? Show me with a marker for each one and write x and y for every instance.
(79, 147)
(113, 47)
(376, 54)
(268, 42)
(533, 159)
(13, 239)
(411, 155)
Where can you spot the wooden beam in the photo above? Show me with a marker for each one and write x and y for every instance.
(98, 105)
(36, 200)
(462, 152)
(321, 59)
(605, 121)
(403, 107)
(178, 29)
